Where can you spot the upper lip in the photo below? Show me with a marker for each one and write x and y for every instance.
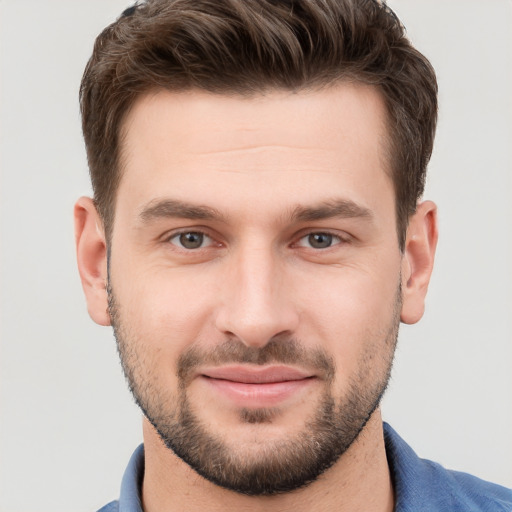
(255, 374)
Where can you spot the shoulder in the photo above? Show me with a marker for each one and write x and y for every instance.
(463, 491)
(425, 486)
(113, 506)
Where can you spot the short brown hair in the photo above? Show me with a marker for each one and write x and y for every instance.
(247, 47)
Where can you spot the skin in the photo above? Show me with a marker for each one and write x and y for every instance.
(255, 161)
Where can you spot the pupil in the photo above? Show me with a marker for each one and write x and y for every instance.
(191, 240)
(320, 240)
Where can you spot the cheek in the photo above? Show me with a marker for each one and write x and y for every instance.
(352, 316)
(166, 309)
(159, 319)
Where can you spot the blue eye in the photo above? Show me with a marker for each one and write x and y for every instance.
(319, 240)
(190, 240)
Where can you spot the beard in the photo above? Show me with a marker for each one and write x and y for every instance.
(277, 466)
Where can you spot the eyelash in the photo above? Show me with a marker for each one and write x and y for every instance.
(336, 239)
(189, 232)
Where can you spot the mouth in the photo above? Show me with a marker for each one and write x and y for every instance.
(256, 387)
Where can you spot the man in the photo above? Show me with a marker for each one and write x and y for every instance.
(255, 239)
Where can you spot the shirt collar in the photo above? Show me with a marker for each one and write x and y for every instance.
(420, 485)
(131, 485)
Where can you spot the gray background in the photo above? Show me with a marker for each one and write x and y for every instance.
(67, 424)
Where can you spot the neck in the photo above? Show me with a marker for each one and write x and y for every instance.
(358, 481)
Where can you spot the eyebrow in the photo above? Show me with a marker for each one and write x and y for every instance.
(343, 208)
(173, 208)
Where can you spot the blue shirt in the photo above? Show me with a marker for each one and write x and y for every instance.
(420, 485)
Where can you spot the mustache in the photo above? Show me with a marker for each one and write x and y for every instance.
(278, 350)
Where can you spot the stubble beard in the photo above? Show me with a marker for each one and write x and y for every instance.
(278, 466)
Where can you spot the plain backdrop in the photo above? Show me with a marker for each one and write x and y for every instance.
(67, 423)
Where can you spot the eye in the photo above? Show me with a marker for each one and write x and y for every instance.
(191, 240)
(319, 240)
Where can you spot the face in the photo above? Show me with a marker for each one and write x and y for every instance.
(255, 277)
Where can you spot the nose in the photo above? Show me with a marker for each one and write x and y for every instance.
(256, 303)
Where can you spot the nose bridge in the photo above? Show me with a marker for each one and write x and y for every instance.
(256, 305)
(259, 278)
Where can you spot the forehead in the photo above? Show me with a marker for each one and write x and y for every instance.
(276, 116)
(283, 144)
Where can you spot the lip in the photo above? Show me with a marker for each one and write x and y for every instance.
(255, 375)
(256, 386)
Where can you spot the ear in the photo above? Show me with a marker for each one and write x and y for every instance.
(91, 250)
(418, 261)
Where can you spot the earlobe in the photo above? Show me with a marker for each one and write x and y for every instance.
(418, 261)
(91, 250)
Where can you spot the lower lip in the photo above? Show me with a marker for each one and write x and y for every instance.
(258, 395)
